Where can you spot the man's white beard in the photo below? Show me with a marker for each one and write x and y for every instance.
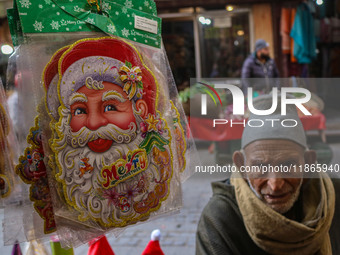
(81, 189)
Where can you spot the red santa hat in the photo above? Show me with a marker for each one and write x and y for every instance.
(93, 61)
(153, 247)
(100, 247)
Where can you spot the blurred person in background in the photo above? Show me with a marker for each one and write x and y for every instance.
(259, 65)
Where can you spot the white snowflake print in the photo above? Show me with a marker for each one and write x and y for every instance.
(106, 7)
(146, 3)
(38, 26)
(25, 3)
(111, 28)
(71, 1)
(48, 2)
(40, 6)
(55, 25)
(76, 8)
(128, 4)
(125, 32)
(89, 20)
(117, 13)
(124, 10)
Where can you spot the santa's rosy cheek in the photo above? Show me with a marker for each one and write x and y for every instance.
(77, 122)
(122, 120)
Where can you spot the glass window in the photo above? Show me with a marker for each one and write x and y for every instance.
(224, 42)
(178, 39)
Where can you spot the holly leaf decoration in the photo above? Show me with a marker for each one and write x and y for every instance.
(140, 84)
(128, 64)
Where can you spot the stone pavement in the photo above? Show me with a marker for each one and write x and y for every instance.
(178, 231)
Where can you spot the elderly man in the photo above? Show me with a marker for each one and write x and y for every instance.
(260, 212)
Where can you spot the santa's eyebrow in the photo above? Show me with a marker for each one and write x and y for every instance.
(113, 95)
(78, 97)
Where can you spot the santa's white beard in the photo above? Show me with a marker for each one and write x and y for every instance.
(81, 188)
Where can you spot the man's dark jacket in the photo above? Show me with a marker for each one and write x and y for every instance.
(221, 229)
(253, 68)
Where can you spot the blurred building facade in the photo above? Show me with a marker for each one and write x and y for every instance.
(212, 38)
(6, 46)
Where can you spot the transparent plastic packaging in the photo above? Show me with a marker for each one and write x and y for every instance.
(12, 191)
(108, 144)
(8, 150)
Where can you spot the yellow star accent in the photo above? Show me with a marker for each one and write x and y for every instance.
(152, 123)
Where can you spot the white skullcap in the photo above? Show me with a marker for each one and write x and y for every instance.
(266, 132)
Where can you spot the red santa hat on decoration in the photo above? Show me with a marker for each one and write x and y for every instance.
(93, 61)
(100, 247)
(153, 247)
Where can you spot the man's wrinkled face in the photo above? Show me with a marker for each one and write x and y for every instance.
(277, 190)
(97, 108)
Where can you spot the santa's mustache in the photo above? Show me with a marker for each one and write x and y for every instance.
(109, 132)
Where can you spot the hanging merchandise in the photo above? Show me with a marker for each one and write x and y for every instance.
(16, 249)
(303, 34)
(335, 30)
(10, 186)
(8, 150)
(108, 145)
(36, 247)
(56, 248)
(285, 28)
(5, 162)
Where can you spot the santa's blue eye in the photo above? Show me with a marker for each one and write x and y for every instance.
(79, 111)
(109, 108)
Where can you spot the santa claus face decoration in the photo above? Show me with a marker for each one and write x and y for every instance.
(111, 145)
